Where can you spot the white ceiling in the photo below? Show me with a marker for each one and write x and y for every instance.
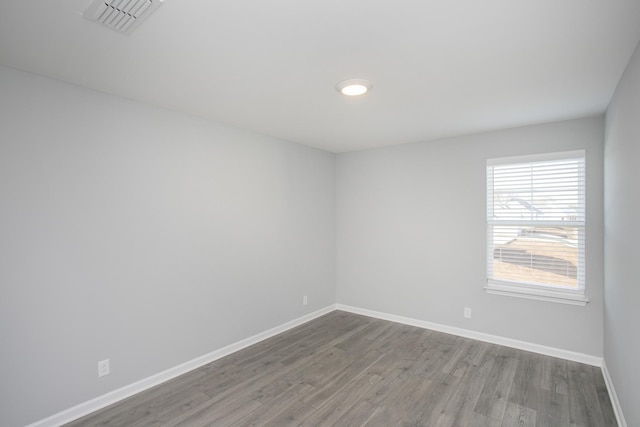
(439, 68)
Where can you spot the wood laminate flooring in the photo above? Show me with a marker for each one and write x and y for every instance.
(344, 369)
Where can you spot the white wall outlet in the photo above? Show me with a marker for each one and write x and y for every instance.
(103, 368)
(467, 312)
(304, 300)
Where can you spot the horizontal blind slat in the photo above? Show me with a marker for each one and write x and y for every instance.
(535, 221)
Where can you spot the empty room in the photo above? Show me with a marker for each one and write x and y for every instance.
(336, 213)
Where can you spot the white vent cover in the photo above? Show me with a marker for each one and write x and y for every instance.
(122, 16)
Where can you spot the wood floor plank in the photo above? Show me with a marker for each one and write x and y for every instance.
(283, 403)
(459, 409)
(554, 375)
(358, 415)
(400, 403)
(527, 382)
(434, 411)
(334, 408)
(519, 416)
(483, 421)
(555, 411)
(461, 349)
(343, 369)
(494, 396)
(430, 399)
(162, 415)
(337, 381)
(584, 408)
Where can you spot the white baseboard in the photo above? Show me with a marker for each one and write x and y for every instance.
(114, 396)
(617, 408)
(480, 336)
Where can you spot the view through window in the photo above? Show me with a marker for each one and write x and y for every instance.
(536, 221)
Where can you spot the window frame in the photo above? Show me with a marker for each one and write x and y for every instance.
(536, 291)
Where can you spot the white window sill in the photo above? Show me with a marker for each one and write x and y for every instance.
(559, 296)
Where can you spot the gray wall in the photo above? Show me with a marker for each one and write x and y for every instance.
(150, 237)
(412, 235)
(622, 235)
(144, 236)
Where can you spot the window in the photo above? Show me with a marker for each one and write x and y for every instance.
(536, 227)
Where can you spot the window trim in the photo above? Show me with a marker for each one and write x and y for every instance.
(539, 292)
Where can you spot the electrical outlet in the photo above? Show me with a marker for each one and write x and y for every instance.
(304, 300)
(103, 368)
(467, 312)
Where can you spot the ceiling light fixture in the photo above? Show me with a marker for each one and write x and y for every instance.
(354, 87)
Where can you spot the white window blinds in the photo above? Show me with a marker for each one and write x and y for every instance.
(536, 221)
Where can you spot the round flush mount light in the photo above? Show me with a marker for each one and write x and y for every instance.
(354, 87)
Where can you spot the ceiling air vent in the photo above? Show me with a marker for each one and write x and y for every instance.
(122, 16)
